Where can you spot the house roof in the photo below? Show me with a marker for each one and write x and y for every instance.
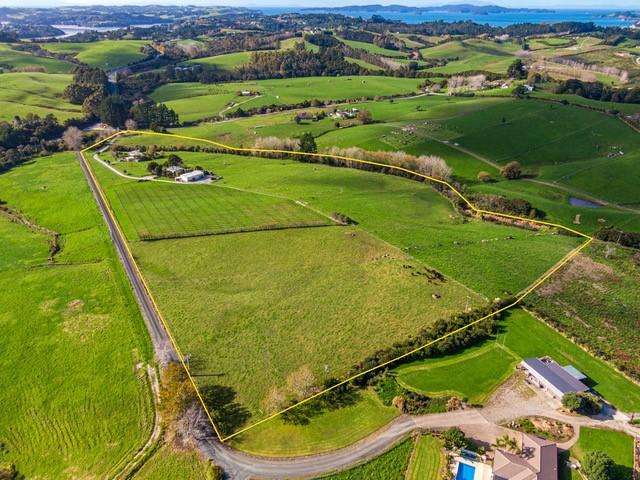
(538, 461)
(557, 376)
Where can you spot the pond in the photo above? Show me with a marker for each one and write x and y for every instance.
(581, 202)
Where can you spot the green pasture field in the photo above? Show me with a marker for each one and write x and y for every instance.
(76, 405)
(602, 177)
(38, 93)
(193, 101)
(595, 301)
(367, 197)
(577, 45)
(375, 49)
(341, 294)
(388, 466)
(329, 431)
(628, 108)
(106, 54)
(427, 459)
(479, 371)
(550, 42)
(19, 59)
(554, 202)
(167, 463)
(157, 210)
(526, 336)
(473, 54)
(612, 57)
(227, 61)
(540, 133)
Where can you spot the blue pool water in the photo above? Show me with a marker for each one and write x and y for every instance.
(465, 472)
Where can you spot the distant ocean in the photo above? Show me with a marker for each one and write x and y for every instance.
(496, 19)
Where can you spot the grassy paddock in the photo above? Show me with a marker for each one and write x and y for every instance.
(37, 93)
(106, 54)
(618, 445)
(19, 59)
(75, 405)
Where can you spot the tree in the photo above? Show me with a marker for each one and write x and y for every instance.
(176, 396)
(365, 117)
(517, 69)
(511, 171)
(114, 110)
(154, 168)
(174, 160)
(597, 465)
(131, 124)
(308, 143)
(484, 176)
(571, 401)
(454, 438)
(72, 138)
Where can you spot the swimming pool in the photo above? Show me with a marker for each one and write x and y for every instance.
(465, 471)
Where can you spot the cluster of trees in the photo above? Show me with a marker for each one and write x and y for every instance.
(517, 70)
(511, 206)
(25, 137)
(626, 239)
(599, 91)
(429, 165)
(88, 88)
(597, 465)
(148, 114)
(298, 62)
(581, 402)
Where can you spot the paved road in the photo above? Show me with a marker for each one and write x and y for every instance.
(162, 345)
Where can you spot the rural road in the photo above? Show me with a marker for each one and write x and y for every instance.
(241, 466)
(159, 337)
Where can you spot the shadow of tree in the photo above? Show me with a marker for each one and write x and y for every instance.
(227, 413)
(340, 397)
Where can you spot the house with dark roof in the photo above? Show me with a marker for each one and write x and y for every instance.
(551, 376)
(538, 461)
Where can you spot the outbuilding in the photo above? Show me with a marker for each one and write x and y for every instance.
(192, 176)
(551, 376)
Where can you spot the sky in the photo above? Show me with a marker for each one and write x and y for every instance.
(557, 4)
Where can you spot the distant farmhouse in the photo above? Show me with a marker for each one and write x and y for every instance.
(552, 377)
(192, 176)
(538, 461)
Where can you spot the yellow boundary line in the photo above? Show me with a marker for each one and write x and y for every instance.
(517, 300)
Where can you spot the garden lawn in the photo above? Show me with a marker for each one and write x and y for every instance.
(388, 466)
(427, 459)
(74, 403)
(19, 59)
(106, 54)
(618, 445)
(328, 431)
(36, 93)
(526, 336)
(479, 371)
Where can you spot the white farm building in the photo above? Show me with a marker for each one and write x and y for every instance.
(192, 176)
(552, 377)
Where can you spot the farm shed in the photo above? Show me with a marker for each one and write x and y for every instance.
(554, 378)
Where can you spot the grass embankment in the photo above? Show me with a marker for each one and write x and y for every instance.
(106, 54)
(37, 93)
(20, 59)
(479, 371)
(74, 401)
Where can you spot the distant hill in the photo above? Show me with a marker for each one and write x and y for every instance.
(454, 8)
